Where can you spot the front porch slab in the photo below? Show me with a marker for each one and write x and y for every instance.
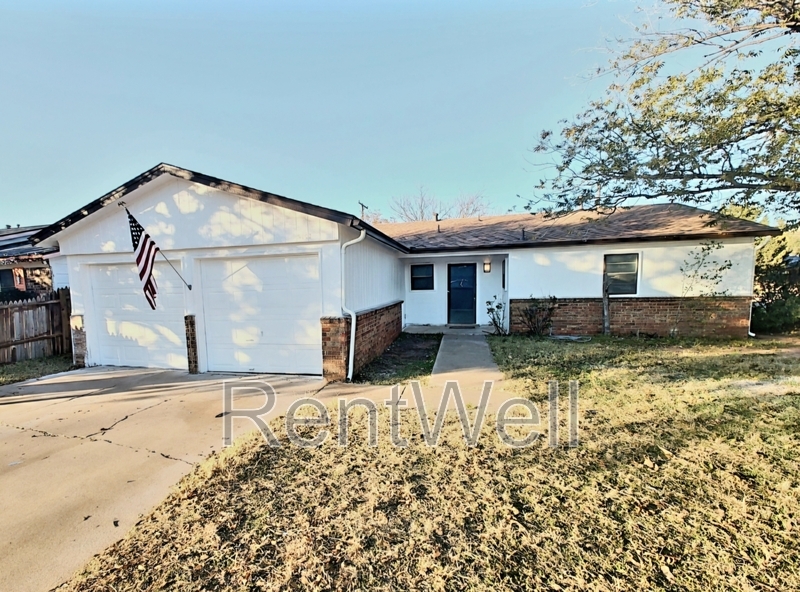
(449, 329)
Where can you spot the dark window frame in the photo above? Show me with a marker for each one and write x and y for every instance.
(617, 288)
(7, 282)
(423, 278)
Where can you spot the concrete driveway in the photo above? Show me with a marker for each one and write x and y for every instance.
(83, 454)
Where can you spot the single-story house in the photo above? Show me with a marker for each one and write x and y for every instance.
(272, 283)
(23, 266)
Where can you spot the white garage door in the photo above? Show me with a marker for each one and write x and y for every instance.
(263, 314)
(127, 331)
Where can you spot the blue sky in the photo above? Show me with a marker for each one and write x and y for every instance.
(325, 102)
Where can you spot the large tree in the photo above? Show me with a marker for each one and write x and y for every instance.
(723, 131)
(423, 205)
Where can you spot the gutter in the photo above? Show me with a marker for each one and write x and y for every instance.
(351, 353)
(379, 236)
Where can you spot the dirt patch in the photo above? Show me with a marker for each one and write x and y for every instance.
(410, 357)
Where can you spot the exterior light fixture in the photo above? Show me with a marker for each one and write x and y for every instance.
(487, 267)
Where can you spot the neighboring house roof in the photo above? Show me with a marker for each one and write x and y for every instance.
(226, 186)
(9, 231)
(653, 222)
(15, 245)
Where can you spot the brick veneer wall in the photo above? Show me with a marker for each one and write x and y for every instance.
(722, 316)
(375, 331)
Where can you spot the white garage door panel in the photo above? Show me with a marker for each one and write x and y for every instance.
(262, 314)
(128, 332)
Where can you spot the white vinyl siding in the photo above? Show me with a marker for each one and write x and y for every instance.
(374, 274)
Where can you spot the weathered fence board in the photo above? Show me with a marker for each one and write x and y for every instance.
(35, 328)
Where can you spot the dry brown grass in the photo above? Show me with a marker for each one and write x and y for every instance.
(27, 369)
(687, 478)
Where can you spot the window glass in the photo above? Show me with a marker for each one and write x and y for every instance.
(422, 277)
(621, 273)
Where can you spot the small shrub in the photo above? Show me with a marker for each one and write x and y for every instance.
(537, 317)
(497, 315)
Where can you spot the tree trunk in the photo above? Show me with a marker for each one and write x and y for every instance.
(606, 313)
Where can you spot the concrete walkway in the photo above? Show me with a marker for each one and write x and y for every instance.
(468, 360)
(465, 358)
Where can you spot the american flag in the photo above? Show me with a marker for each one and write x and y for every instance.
(144, 249)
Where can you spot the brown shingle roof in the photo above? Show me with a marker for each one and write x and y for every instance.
(639, 223)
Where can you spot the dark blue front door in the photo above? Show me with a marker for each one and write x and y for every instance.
(461, 294)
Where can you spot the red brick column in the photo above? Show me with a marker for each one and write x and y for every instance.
(335, 345)
(191, 343)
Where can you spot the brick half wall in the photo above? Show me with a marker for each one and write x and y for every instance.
(721, 316)
(376, 329)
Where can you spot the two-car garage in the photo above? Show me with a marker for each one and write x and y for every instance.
(254, 314)
(260, 282)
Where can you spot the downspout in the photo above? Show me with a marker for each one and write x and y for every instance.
(755, 256)
(349, 312)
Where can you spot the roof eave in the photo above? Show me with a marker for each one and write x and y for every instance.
(650, 239)
(215, 183)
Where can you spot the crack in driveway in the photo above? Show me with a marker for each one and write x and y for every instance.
(119, 421)
(91, 439)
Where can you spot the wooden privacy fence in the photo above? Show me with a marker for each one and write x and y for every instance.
(35, 328)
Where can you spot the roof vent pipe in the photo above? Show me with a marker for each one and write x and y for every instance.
(347, 311)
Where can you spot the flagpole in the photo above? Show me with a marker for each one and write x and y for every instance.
(122, 204)
(176, 271)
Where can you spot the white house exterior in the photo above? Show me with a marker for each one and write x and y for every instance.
(275, 282)
(575, 272)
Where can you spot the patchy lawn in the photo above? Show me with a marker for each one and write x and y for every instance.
(28, 369)
(687, 478)
(410, 357)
